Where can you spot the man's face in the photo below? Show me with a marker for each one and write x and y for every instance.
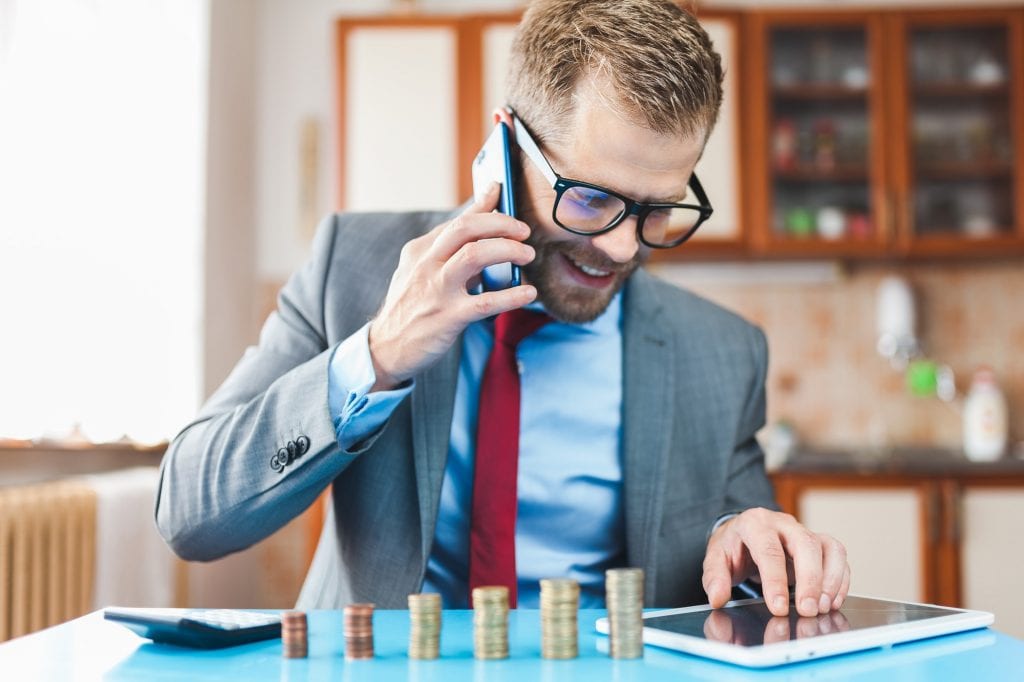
(577, 276)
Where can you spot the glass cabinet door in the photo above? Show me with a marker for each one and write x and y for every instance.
(823, 159)
(960, 131)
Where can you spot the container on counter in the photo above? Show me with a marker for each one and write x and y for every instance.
(985, 418)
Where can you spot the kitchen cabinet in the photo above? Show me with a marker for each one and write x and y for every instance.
(922, 526)
(398, 85)
(415, 96)
(886, 133)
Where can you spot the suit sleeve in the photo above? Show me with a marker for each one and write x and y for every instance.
(264, 446)
(747, 485)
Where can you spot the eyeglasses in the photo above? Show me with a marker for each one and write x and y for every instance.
(588, 209)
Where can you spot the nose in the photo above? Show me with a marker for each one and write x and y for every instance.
(619, 244)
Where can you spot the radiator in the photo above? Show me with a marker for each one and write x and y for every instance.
(47, 555)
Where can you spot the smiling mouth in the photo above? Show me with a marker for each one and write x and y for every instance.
(589, 270)
(588, 274)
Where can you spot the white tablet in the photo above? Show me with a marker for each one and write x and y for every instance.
(745, 633)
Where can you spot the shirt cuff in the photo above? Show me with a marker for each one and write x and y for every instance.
(721, 519)
(356, 412)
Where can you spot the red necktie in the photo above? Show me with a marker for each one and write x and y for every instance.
(492, 539)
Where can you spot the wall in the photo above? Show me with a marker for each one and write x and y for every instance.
(825, 375)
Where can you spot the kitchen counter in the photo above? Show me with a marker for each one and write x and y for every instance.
(915, 462)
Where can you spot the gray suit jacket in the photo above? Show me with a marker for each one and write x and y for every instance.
(263, 447)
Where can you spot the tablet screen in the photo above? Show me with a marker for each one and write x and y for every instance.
(754, 625)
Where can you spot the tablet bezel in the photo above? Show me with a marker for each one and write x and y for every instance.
(792, 651)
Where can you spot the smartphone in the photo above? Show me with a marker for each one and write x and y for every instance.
(493, 163)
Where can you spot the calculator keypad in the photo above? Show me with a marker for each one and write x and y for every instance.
(228, 619)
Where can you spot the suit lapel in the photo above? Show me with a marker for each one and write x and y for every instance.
(648, 390)
(433, 402)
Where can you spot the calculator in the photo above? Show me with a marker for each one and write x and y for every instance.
(198, 628)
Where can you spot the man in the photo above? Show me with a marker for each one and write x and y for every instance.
(633, 422)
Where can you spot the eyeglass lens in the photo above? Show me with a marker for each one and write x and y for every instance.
(586, 209)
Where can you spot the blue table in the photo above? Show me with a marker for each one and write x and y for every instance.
(90, 648)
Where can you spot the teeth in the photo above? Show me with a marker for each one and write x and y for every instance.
(593, 272)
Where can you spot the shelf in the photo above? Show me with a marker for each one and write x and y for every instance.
(961, 235)
(959, 90)
(819, 92)
(963, 170)
(811, 174)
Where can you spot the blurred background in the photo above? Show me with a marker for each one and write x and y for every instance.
(164, 163)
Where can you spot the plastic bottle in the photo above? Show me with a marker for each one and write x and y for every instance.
(985, 419)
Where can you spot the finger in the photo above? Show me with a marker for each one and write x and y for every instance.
(469, 260)
(844, 589)
(717, 578)
(805, 549)
(833, 571)
(491, 303)
(766, 550)
(777, 630)
(473, 227)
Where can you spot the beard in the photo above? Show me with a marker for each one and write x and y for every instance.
(573, 302)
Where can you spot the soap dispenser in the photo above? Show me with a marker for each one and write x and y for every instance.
(985, 418)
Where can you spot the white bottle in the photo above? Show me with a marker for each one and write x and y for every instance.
(985, 419)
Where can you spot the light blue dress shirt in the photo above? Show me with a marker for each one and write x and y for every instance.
(570, 515)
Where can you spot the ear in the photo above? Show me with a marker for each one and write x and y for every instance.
(503, 115)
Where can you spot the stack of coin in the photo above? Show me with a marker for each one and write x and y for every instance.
(358, 631)
(424, 626)
(624, 593)
(559, 607)
(490, 622)
(294, 634)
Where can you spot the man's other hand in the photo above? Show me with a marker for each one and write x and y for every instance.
(428, 303)
(775, 548)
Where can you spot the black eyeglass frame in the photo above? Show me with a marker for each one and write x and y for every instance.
(640, 209)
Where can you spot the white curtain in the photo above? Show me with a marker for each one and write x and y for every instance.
(102, 175)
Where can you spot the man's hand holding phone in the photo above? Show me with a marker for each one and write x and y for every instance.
(428, 303)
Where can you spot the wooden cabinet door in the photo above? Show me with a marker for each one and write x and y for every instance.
(992, 558)
(818, 141)
(398, 130)
(957, 122)
(719, 169)
(884, 532)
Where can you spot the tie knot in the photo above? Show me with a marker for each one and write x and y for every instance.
(513, 326)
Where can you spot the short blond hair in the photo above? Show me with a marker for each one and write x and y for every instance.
(656, 59)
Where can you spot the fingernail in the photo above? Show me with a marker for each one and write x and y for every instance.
(779, 603)
(809, 606)
(823, 603)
